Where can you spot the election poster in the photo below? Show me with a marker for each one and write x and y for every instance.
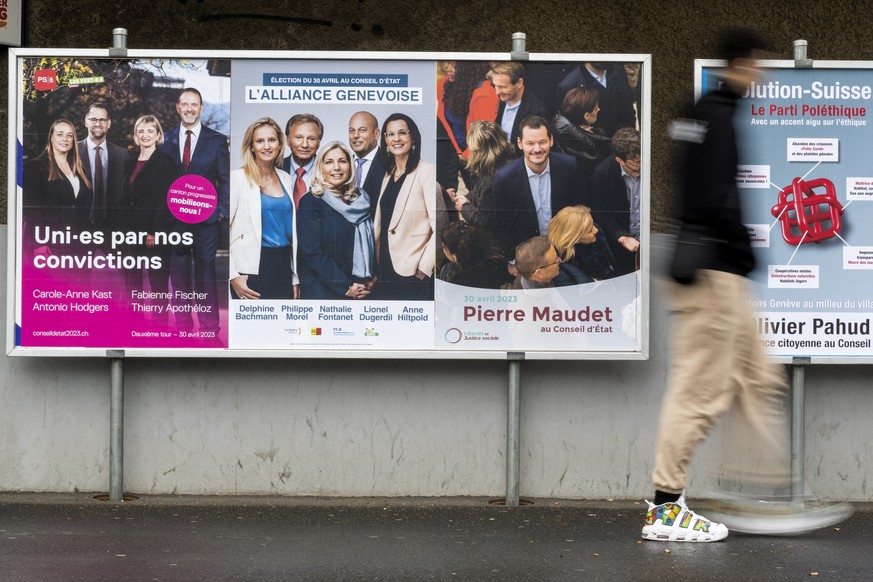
(807, 191)
(331, 205)
(120, 222)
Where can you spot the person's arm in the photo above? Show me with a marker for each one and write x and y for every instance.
(427, 262)
(223, 176)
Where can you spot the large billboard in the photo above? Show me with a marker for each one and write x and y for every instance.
(330, 205)
(806, 187)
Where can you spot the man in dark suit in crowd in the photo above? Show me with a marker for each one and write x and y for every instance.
(364, 141)
(530, 190)
(616, 98)
(199, 150)
(537, 263)
(516, 101)
(97, 153)
(615, 199)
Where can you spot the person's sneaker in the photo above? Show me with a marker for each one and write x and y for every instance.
(674, 522)
(764, 517)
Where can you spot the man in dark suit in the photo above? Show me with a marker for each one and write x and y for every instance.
(364, 141)
(616, 98)
(615, 199)
(202, 151)
(304, 133)
(516, 101)
(96, 152)
(530, 190)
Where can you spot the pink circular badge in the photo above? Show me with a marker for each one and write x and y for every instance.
(192, 198)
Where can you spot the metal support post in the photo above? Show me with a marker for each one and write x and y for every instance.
(801, 61)
(798, 478)
(513, 425)
(519, 48)
(116, 426)
(116, 362)
(119, 43)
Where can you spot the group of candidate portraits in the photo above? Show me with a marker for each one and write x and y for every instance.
(337, 220)
(520, 197)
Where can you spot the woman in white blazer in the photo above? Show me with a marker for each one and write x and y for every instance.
(263, 221)
(405, 215)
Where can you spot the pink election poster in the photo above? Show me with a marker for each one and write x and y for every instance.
(123, 196)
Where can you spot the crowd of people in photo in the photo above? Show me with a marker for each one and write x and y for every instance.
(520, 164)
(554, 158)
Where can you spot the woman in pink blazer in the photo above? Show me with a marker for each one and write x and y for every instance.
(405, 215)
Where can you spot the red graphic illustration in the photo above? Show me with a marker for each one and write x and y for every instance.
(45, 79)
(808, 211)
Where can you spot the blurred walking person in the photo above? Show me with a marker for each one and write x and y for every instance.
(717, 360)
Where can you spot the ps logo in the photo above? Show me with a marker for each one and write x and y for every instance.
(45, 80)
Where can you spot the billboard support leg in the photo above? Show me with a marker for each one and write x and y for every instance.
(116, 426)
(513, 422)
(798, 369)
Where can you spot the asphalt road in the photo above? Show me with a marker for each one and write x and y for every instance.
(75, 537)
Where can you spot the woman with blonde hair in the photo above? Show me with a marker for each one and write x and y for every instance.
(585, 256)
(57, 193)
(148, 174)
(263, 237)
(337, 256)
(489, 151)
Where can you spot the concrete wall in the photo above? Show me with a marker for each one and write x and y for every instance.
(361, 428)
(430, 428)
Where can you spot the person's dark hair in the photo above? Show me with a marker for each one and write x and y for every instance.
(304, 118)
(468, 76)
(99, 105)
(626, 142)
(534, 122)
(740, 42)
(191, 90)
(474, 248)
(415, 152)
(577, 102)
(530, 254)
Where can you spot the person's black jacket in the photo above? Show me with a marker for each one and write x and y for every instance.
(709, 195)
(589, 148)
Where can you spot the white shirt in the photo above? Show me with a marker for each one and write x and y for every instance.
(541, 191)
(601, 79)
(183, 135)
(508, 119)
(307, 169)
(365, 168)
(92, 158)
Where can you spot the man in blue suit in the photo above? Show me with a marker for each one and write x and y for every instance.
(202, 151)
(528, 191)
